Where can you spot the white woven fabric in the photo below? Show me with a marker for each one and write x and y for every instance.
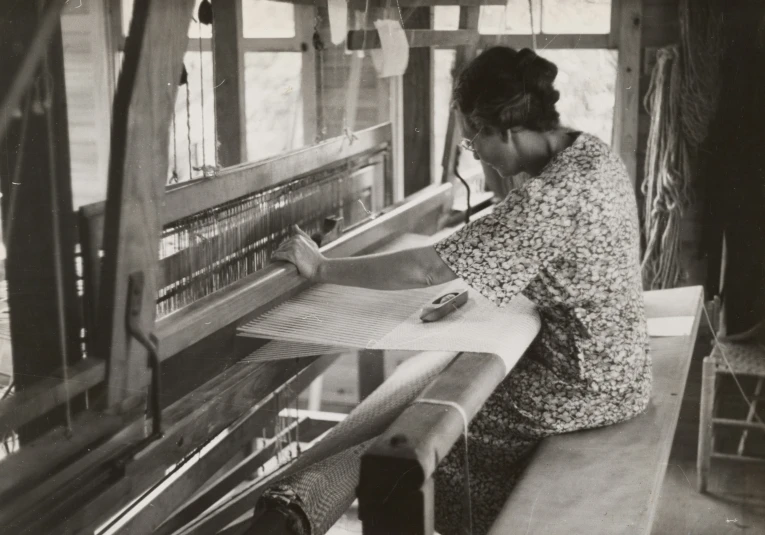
(358, 319)
(479, 327)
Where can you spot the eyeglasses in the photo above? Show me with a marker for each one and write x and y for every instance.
(467, 144)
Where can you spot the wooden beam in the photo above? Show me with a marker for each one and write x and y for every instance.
(468, 21)
(248, 44)
(55, 497)
(399, 464)
(307, 428)
(95, 477)
(143, 108)
(360, 5)
(189, 424)
(278, 281)
(90, 228)
(49, 393)
(371, 371)
(423, 38)
(198, 195)
(43, 457)
(305, 17)
(37, 204)
(167, 498)
(195, 196)
(20, 71)
(627, 99)
(615, 28)
(228, 60)
(418, 106)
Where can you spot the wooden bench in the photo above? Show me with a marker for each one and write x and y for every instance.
(607, 481)
(603, 481)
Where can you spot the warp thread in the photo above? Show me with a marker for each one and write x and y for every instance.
(466, 465)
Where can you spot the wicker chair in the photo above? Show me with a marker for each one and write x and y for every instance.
(740, 359)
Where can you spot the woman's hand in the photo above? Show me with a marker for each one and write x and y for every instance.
(301, 251)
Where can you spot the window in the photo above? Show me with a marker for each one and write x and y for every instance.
(586, 81)
(550, 16)
(273, 103)
(265, 18)
(586, 78)
(192, 132)
(195, 29)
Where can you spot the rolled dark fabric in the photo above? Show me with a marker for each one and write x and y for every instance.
(316, 489)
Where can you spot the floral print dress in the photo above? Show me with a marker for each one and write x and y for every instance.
(568, 240)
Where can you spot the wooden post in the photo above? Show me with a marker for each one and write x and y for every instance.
(371, 368)
(37, 196)
(143, 107)
(468, 21)
(627, 100)
(228, 59)
(395, 482)
(418, 107)
(704, 454)
(304, 22)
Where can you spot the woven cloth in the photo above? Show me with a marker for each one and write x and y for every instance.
(327, 316)
(322, 481)
(321, 494)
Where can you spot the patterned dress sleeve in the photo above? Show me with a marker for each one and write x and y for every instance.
(498, 255)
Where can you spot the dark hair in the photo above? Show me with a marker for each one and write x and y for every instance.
(504, 88)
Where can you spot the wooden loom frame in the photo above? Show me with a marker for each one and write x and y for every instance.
(184, 428)
(267, 287)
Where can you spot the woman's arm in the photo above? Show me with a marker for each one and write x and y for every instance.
(400, 270)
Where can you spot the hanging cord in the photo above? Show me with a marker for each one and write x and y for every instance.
(188, 124)
(202, 98)
(216, 147)
(297, 409)
(47, 92)
(15, 184)
(458, 153)
(466, 465)
(174, 175)
(531, 19)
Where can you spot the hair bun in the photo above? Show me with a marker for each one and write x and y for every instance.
(537, 73)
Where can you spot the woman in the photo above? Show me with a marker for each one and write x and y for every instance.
(567, 239)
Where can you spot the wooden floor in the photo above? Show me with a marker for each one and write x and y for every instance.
(734, 505)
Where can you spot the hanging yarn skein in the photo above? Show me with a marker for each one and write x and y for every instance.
(667, 170)
(681, 99)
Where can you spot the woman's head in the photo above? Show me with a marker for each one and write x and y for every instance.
(507, 95)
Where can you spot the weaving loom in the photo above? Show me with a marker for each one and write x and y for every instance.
(322, 484)
(214, 269)
(231, 342)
